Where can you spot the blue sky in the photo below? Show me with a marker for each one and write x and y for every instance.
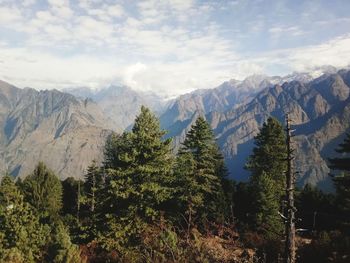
(170, 47)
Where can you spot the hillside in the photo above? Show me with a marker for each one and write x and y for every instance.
(51, 126)
(319, 109)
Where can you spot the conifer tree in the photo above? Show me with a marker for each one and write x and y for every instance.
(22, 237)
(267, 165)
(69, 196)
(43, 190)
(342, 180)
(200, 172)
(61, 248)
(139, 169)
(92, 182)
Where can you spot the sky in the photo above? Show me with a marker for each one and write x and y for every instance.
(170, 46)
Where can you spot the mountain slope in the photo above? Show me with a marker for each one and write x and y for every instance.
(51, 126)
(320, 111)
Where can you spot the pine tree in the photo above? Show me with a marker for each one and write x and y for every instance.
(69, 196)
(139, 169)
(43, 190)
(342, 181)
(200, 172)
(22, 237)
(61, 248)
(93, 181)
(267, 165)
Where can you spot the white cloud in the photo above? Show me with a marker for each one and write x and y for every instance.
(283, 31)
(166, 46)
(9, 15)
(25, 68)
(61, 8)
(335, 52)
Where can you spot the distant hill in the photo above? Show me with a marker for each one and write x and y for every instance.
(51, 126)
(320, 110)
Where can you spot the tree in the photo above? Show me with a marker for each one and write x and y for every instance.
(139, 165)
(342, 180)
(267, 165)
(61, 249)
(43, 190)
(315, 208)
(200, 173)
(93, 181)
(70, 196)
(22, 237)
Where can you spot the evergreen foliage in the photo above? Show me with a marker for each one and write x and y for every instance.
(139, 170)
(342, 181)
(43, 190)
(22, 237)
(92, 183)
(200, 174)
(70, 196)
(61, 249)
(267, 165)
(144, 205)
(315, 209)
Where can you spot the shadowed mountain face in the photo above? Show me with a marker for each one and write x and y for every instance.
(51, 126)
(320, 110)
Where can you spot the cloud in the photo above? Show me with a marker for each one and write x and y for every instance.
(9, 15)
(24, 67)
(166, 46)
(282, 31)
(335, 52)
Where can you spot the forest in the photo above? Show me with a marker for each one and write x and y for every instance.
(146, 203)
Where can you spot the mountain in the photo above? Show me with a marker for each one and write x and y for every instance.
(120, 103)
(51, 126)
(67, 131)
(319, 108)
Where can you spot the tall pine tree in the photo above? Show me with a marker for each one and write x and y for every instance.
(139, 167)
(200, 173)
(268, 165)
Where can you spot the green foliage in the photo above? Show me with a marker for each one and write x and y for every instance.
(342, 181)
(92, 183)
(342, 186)
(43, 190)
(139, 172)
(268, 203)
(315, 209)
(270, 153)
(200, 173)
(61, 249)
(268, 165)
(70, 196)
(22, 237)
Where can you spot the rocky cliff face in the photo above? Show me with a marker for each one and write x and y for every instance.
(51, 126)
(320, 111)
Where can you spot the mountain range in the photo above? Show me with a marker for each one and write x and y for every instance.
(67, 129)
(65, 132)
